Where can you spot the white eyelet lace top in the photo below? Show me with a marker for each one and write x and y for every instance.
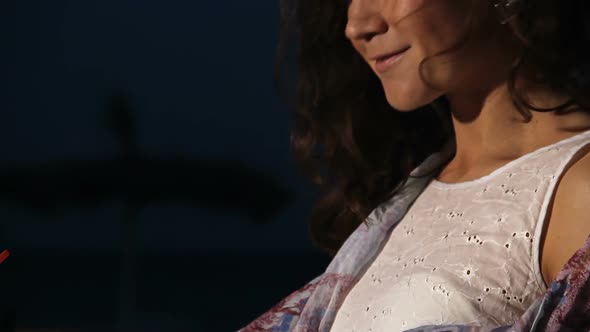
(464, 253)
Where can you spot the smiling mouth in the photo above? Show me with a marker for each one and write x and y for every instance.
(383, 63)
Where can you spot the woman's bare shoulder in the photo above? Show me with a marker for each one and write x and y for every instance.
(568, 225)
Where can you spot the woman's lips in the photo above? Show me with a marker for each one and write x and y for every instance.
(385, 63)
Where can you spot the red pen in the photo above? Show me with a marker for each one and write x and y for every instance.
(4, 255)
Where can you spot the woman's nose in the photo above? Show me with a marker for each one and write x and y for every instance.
(364, 23)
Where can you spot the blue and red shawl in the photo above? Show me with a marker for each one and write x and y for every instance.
(565, 306)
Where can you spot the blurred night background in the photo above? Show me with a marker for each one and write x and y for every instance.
(146, 180)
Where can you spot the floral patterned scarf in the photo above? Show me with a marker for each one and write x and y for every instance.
(565, 306)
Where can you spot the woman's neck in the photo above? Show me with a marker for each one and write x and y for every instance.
(489, 129)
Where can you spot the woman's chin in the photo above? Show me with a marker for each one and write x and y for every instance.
(407, 101)
(405, 104)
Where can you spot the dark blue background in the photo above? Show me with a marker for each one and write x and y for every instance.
(199, 78)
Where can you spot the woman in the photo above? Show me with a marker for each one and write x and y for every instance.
(464, 126)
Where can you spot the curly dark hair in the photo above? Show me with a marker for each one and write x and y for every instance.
(355, 146)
